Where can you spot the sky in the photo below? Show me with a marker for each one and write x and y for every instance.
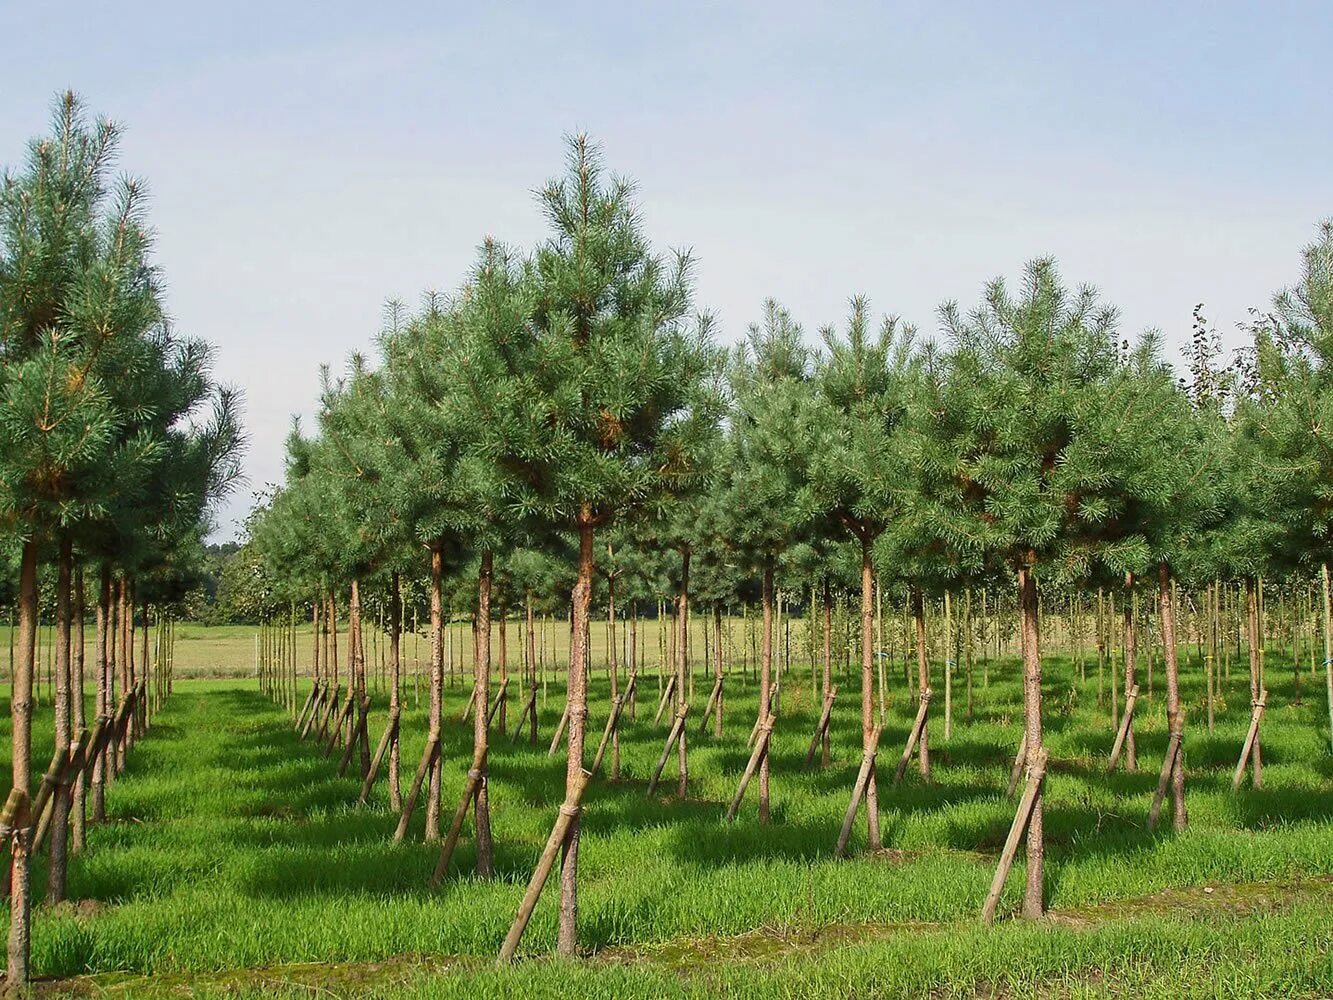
(307, 163)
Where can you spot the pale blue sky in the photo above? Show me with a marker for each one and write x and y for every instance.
(308, 162)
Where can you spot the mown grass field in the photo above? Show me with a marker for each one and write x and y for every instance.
(237, 863)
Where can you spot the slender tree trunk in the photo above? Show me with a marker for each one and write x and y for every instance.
(1034, 897)
(868, 688)
(59, 829)
(614, 663)
(531, 642)
(828, 660)
(922, 679)
(102, 762)
(1131, 643)
(682, 666)
(395, 689)
(79, 813)
(436, 711)
(20, 887)
(765, 682)
(481, 714)
(1256, 668)
(577, 709)
(1175, 718)
(717, 668)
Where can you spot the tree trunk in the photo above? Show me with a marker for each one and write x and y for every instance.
(480, 716)
(20, 888)
(59, 856)
(717, 667)
(1034, 898)
(828, 661)
(79, 811)
(682, 666)
(395, 689)
(102, 761)
(436, 693)
(1175, 718)
(868, 689)
(922, 678)
(577, 711)
(765, 682)
(614, 663)
(1256, 681)
(532, 665)
(1131, 650)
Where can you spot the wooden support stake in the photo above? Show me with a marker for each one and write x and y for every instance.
(913, 736)
(708, 708)
(672, 736)
(760, 752)
(473, 785)
(471, 700)
(1168, 767)
(822, 727)
(529, 707)
(569, 811)
(69, 770)
(495, 705)
(666, 699)
(316, 710)
(358, 734)
(410, 803)
(1020, 761)
(858, 793)
(390, 732)
(1256, 714)
(613, 722)
(1036, 773)
(559, 732)
(339, 721)
(309, 703)
(767, 711)
(1122, 734)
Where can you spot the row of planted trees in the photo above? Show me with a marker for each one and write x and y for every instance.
(114, 440)
(565, 421)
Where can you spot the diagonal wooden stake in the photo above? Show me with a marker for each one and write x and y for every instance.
(822, 726)
(613, 721)
(756, 758)
(666, 699)
(1122, 734)
(476, 778)
(708, 708)
(672, 736)
(913, 736)
(1256, 713)
(1168, 768)
(529, 707)
(1020, 761)
(569, 812)
(428, 756)
(1036, 774)
(858, 793)
(767, 710)
(559, 732)
(390, 733)
(500, 696)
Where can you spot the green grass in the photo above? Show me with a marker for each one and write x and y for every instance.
(233, 847)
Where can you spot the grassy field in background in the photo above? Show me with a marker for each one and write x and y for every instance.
(237, 863)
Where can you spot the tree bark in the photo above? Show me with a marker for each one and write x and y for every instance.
(435, 718)
(868, 689)
(682, 666)
(577, 710)
(765, 682)
(1034, 898)
(102, 639)
(1131, 651)
(395, 689)
(1175, 717)
(828, 661)
(1256, 681)
(923, 677)
(20, 888)
(717, 667)
(59, 856)
(614, 662)
(79, 811)
(481, 811)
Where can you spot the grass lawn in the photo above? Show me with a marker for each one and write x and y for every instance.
(237, 863)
